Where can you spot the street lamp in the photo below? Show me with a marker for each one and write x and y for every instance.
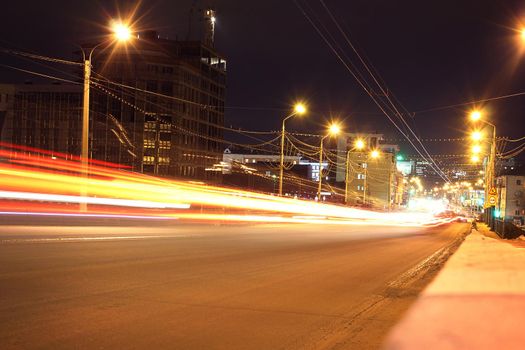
(299, 109)
(333, 130)
(476, 135)
(476, 149)
(490, 171)
(475, 115)
(121, 33)
(359, 144)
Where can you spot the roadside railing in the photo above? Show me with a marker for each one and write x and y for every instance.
(507, 230)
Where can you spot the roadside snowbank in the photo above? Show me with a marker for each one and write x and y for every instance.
(476, 302)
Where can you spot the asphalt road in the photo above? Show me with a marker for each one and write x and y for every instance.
(210, 287)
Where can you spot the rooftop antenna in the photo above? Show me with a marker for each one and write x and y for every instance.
(209, 26)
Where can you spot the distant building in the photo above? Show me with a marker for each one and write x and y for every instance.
(406, 167)
(45, 116)
(511, 204)
(260, 172)
(371, 181)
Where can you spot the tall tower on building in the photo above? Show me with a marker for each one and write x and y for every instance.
(209, 27)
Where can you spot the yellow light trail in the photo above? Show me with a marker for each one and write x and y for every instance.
(55, 182)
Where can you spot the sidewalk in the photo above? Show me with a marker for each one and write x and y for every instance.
(476, 302)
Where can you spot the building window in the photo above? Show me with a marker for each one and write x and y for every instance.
(517, 212)
(360, 187)
(149, 143)
(518, 182)
(150, 126)
(148, 159)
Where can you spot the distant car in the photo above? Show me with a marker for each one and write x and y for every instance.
(461, 219)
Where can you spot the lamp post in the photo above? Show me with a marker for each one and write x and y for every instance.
(299, 109)
(333, 130)
(121, 33)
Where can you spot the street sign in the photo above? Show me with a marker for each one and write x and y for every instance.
(493, 191)
(492, 200)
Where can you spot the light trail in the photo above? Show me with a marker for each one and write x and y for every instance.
(89, 200)
(41, 184)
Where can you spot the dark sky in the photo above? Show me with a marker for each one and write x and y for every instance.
(430, 53)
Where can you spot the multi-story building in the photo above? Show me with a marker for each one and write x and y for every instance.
(42, 116)
(157, 106)
(372, 181)
(511, 203)
(165, 100)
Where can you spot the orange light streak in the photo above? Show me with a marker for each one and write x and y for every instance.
(38, 179)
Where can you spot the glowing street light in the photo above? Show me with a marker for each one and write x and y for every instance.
(475, 115)
(122, 33)
(475, 159)
(476, 135)
(299, 109)
(374, 154)
(359, 144)
(476, 149)
(333, 130)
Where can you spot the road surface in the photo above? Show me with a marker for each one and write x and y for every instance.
(180, 286)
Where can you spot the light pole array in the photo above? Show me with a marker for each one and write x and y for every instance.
(477, 136)
(299, 109)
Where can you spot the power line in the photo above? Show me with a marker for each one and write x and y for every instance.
(362, 84)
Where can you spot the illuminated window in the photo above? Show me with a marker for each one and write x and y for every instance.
(148, 159)
(164, 160)
(149, 143)
(149, 126)
(165, 144)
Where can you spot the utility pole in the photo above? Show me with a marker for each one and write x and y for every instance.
(84, 154)
(281, 164)
(347, 177)
(299, 109)
(320, 170)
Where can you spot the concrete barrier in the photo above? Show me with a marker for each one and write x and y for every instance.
(477, 301)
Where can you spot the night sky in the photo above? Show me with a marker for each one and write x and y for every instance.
(430, 54)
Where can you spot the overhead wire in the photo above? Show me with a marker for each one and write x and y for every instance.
(346, 64)
(385, 93)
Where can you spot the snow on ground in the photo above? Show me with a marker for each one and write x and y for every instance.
(475, 302)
